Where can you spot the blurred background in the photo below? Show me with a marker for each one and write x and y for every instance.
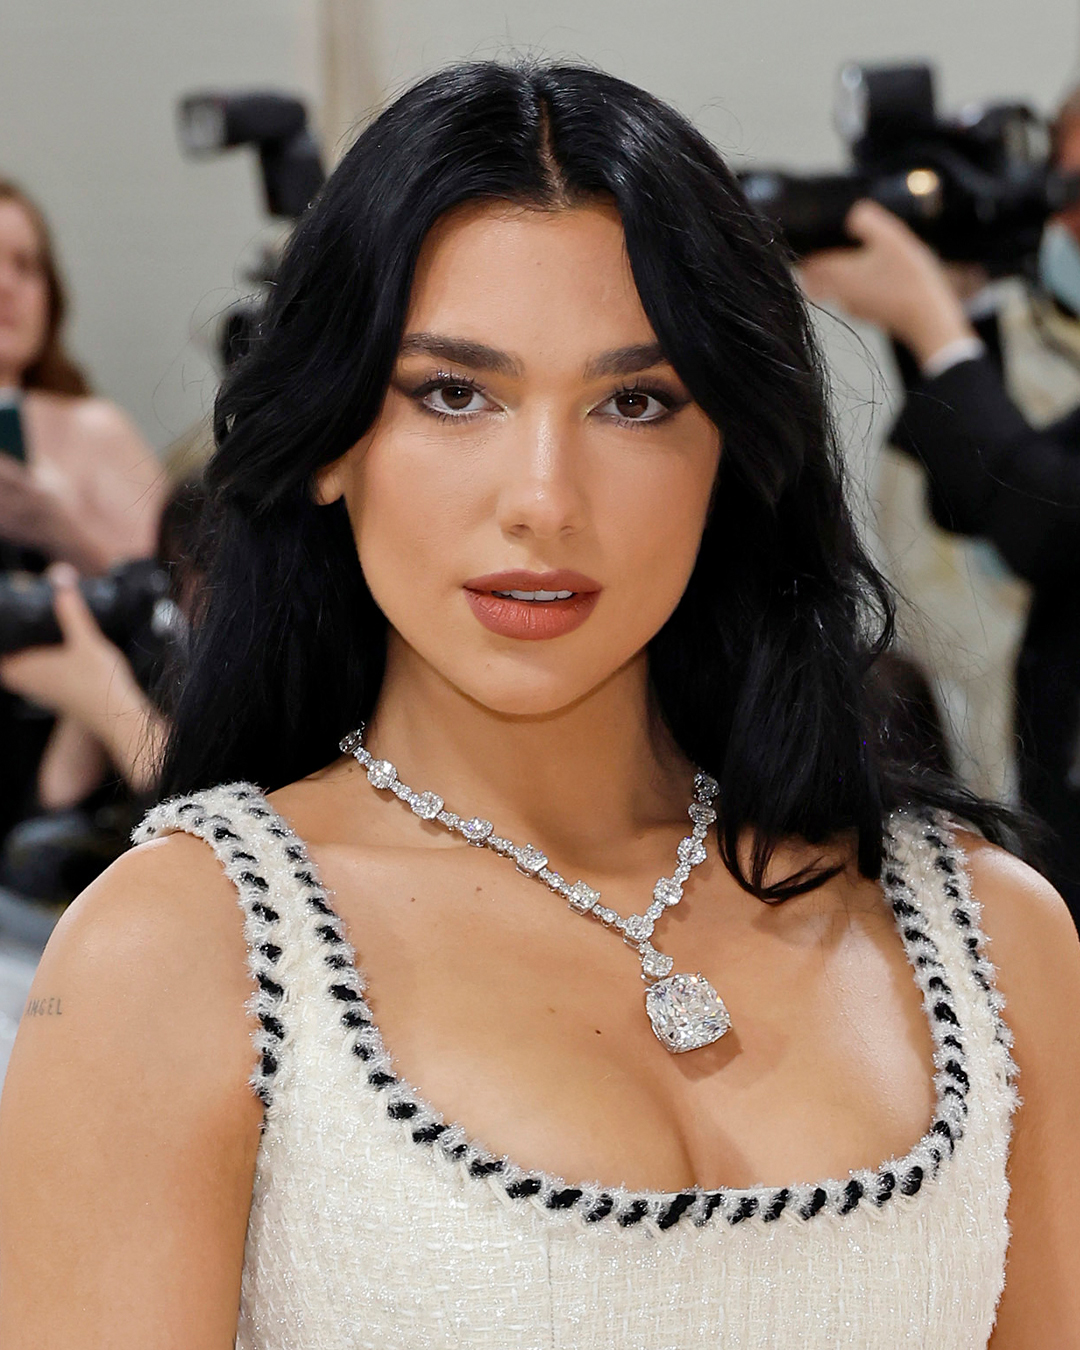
(155, 246)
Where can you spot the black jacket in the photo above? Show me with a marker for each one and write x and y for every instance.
(990, 473)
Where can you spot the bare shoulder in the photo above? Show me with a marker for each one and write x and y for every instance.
(1032, 941)
(149, 961)
(167, 899)
(1032, 937)
(66, 422)
(128, 1129)
(103, 419)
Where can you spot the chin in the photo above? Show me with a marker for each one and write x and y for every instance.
(15, 353)
(524, 686)
(525, 698)
(528, 679)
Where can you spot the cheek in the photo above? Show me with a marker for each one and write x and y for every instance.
(34, 309)
(653, 523)
(427, 517)
(411, 517)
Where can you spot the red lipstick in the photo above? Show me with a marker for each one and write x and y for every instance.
(532, 620)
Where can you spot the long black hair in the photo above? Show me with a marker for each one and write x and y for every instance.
(761, 672)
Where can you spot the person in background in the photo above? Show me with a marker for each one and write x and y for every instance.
(78, 484)
(99, 769)
(989, 472)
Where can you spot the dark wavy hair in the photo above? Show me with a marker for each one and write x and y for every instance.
(52, 369)
(761, 673)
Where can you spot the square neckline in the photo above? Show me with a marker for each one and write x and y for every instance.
(345, 983)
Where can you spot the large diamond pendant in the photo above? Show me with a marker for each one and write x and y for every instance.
(686, 1012)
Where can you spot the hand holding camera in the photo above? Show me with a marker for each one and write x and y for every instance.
(88, 680)
(893, 280)
(73, 676)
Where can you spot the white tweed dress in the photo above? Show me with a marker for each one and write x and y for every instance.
(377, 1224)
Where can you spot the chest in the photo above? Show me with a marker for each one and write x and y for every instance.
(526, 1023)
(56, 457)
(380, 1219)
(359, 1237)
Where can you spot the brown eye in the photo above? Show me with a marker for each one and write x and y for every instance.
(450, 398)
(638, 406)
(632, 404)
(456, 397)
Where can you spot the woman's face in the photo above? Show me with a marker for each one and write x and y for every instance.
(24, 299)
(532, 440)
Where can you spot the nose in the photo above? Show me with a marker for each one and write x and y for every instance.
(542, 492)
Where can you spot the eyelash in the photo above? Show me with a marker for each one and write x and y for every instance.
(444, 378)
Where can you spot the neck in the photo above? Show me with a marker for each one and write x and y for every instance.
(601, 769)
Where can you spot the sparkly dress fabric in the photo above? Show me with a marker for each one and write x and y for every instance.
(376, 1224)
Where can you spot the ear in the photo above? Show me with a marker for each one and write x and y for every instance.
(328, 483)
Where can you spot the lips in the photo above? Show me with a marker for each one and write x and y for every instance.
(534, 619)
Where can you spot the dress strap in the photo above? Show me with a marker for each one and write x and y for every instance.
(957, 914)
(261, 857)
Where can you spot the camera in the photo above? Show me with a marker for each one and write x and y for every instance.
(292, 174)
(131, 605)
(978, 187)
(276, 124)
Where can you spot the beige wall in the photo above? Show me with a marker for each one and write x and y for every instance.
(152, 244)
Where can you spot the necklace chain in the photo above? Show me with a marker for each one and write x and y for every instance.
(685, 1010)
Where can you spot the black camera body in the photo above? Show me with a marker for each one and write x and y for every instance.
(122, 602)
(131, 605)
(977, 187)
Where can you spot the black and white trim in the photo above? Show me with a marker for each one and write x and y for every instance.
(427, 1128)
(242, 861)
(966, 914)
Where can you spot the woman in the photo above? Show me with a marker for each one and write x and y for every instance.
(87, 487)
(78, 485)
(112, 701)
(530, 474)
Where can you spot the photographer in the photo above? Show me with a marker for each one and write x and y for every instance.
(108, 720)
(77, 482)
(106, 657)
(989, 473)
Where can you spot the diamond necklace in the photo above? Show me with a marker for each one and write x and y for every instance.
(685, 1010)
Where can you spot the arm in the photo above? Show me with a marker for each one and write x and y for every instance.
(990, 473)
(73, 765)
(88, 681)
(128, 1132)
(1034, 945)
(34, 515)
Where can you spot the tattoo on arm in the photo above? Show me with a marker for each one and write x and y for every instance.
(43, 1007)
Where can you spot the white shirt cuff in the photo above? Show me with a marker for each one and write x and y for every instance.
(960, 349)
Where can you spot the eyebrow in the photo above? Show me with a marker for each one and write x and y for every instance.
(618, 361)
(625, 360)
(467, 353)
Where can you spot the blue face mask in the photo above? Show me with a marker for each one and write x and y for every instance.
(1059, 265)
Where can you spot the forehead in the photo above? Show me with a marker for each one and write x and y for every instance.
(17, 229)
(523, 278)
